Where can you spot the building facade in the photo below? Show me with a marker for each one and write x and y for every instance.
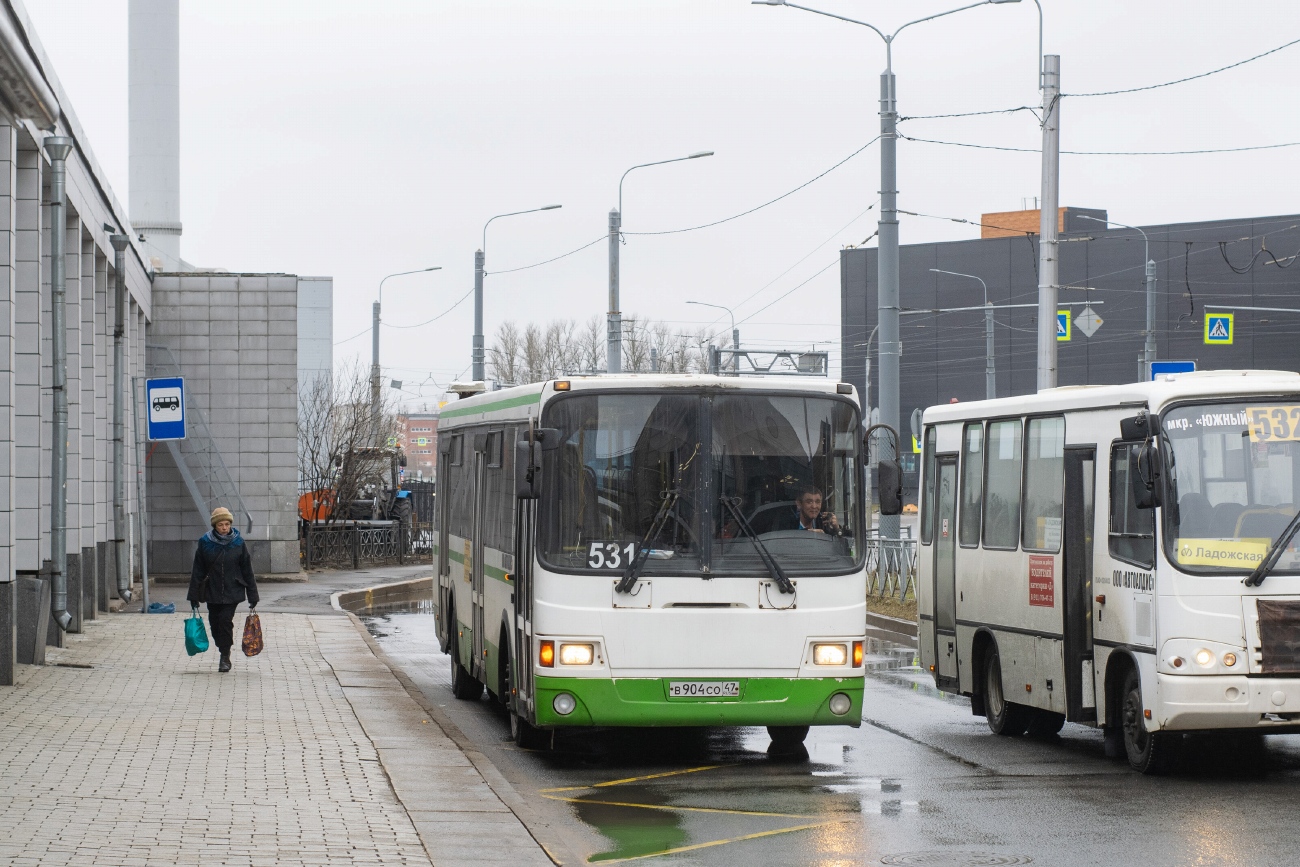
(417, 435)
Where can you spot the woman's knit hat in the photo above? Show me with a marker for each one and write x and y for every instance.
(221, 513)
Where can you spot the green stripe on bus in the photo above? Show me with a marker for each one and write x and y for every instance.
(523, 400)
(489, 571)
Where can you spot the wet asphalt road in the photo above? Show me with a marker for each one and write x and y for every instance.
(921, 782)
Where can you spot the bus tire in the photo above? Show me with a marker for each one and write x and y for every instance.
(1045, 724)
(1148, 752)
(463, 684)
(787, 737)
(1004, 717)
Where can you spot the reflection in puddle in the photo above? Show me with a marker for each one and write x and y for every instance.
(634, 832)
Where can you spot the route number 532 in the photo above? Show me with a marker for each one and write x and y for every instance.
(609, 555)
(1274, 423)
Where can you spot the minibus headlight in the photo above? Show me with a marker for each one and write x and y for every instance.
(1204, 658)
(576, 654)
(830, 654)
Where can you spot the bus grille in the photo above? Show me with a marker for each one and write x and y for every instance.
(1279, 635)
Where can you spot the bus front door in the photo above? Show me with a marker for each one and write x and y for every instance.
(1080, 484)
(522, 672)
(479, 666)
(945, 574)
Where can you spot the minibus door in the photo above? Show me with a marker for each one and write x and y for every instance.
(1080, 484)
(442, 587)
(478, 668)
(945, 573)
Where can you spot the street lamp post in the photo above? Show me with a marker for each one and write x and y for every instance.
(374, 349)
(1149, 347)
(480, 260)
(990, 371)
(735, 332)
(887, 228)
(614, 334)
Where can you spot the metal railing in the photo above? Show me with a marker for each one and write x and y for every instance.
(350, 544)
(891, 568)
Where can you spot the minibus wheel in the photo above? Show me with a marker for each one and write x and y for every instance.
(1004, 717)
(787, 737)
(1148, 752)
(463, 685)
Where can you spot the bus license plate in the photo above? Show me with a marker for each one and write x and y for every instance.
(703, 688)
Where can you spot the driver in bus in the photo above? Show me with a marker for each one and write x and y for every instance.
(808, 515)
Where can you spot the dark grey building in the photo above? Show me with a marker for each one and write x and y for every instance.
(1247, 262)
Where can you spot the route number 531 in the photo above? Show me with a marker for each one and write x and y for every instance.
(609, 555)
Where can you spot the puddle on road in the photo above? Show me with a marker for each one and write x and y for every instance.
(647, 792)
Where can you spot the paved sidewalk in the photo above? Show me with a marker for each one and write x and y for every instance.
(310, 754)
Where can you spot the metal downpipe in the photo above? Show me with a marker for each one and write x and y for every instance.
(58, 147)
(120, 543)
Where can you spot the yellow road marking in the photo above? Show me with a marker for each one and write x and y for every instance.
(712, 843)
(632, 779)
(680, 809)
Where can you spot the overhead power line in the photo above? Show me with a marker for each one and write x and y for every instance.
(439, 316)
(548, 261)
(1190, 77)
(960, 144)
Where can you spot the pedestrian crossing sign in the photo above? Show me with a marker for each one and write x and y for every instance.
(1063, 327)
(1218, 329)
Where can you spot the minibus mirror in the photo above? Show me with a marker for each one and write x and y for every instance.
(1136, 428)
(1144, 477)
(549, 437)
(528, 471)
(890, 478)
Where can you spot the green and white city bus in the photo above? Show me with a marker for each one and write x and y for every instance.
(1121, 556)
(627, 551)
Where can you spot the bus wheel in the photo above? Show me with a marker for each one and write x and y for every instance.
(787, 737)
(1046, 724)
(463, 686)
(1148, 752)
(1004, 717)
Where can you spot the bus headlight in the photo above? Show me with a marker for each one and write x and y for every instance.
(564, 704)
(576, 654)
(830, 654)
(840, 704)
(1204, 658)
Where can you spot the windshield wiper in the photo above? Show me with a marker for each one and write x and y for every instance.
(666, 507)
(1256, 578)
(773, 568)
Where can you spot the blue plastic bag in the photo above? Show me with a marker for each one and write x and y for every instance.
(161, 608)
(196, 637)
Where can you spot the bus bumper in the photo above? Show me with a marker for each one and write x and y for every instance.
(774, 701)
(1192, 702)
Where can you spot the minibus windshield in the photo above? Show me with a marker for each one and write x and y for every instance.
(1234, 484)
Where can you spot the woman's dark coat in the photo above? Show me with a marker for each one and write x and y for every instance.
(222, 573)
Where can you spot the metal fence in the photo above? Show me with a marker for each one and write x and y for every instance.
(349, 545)
(891, 568)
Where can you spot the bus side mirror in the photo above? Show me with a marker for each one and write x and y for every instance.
(549, 437)
(1137, 427)
(1144, 477)
(528, 469)
(890, 476)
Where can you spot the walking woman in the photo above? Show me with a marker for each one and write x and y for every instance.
(223, 578)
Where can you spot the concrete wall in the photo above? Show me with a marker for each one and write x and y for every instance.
(235, 337)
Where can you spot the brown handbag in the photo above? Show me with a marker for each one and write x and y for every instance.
(252, 635)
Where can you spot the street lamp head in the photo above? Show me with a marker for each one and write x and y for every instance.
(549, 207)
(700, 154)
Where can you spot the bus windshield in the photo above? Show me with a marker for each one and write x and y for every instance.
(1235, 480)
(651, 470)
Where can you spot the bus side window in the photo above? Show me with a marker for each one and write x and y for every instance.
(1132, 530)
(972, 485)
(1002, 485)
(927, 495)
(1044, 484)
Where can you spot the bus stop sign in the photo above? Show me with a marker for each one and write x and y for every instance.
(165, 399)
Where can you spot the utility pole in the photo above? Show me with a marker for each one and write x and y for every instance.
(614, 319)
(887, 276)
(374, 374)
(1149, 352)
(121, 545)
(58, 147)
(478, 373)
(1048, 245)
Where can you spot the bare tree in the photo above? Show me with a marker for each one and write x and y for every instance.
(506, 354)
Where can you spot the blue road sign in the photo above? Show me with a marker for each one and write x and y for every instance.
(165, 399)
(1162, 367)
(1063, 328)
(1218, 329)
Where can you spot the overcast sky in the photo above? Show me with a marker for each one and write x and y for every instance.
(356, 140)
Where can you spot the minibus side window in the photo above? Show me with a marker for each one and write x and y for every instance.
(1002, 485)
(1044, 484)
(927, 494)
(972, 484)
(1132, 530)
